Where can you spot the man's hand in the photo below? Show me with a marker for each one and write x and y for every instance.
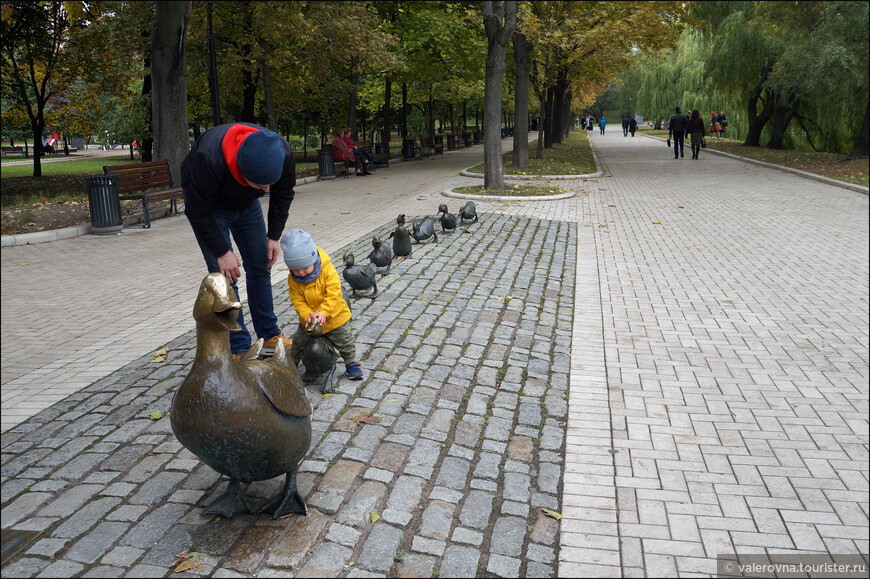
(230, 266)
(273, 250)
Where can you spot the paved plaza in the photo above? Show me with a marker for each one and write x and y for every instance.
(675, 360)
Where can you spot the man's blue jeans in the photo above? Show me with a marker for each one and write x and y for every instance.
(249, 231)
(678, 144)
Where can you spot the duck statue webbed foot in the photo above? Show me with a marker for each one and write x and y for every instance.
(289, 502)
(228, 504)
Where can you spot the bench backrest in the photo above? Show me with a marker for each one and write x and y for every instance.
(427, 140)
(148, 176)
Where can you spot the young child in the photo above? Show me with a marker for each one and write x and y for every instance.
(315, 290)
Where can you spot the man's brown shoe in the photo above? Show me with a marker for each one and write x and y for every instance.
(270, 344)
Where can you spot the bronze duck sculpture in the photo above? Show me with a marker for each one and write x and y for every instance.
(382, 254)
(401, 238)
(423, 229)
(319, 357)
(468, 212)
(448, 220)
(360, 277)
(247, 419)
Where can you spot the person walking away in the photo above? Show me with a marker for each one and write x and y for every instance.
(715, 127)
(632, 126)
(677, 129)
(222, 179)
(625, 122)
(696, 128)
(723, 122)
(602, 122)
(315, 291)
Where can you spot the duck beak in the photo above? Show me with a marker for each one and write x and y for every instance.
(227, 314)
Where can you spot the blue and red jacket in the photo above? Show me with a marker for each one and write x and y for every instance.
(211, 179)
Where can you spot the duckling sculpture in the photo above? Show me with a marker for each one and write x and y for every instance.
(382, 254)
(247, 419)
(448, 220)
(319, 357)
(468, 212)
(401, 238)
(360, 277)
(424, 229)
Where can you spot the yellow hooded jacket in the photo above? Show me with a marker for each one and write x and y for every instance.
(321, 295)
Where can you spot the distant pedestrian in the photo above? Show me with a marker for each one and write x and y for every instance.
(715, 127)
(632, 126)
(625, 123)
(583, 123)
(602, 123)
(677, 129)
(696, 128)
(723, 122)
(589, 123)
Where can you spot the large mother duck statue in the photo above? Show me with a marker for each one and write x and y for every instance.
(248, 419)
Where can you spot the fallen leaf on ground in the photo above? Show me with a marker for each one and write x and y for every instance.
(158, 359)
(551, 513)
(161, 352)
(156, 415)
(185, 562)
(367, 418)
(657, 222)
(375, 516)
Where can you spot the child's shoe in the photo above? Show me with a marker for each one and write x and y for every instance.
(354, 372)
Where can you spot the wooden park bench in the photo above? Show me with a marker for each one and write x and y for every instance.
(381, 159)
(12, 150)
(427, 147)
(437, 148)
(147, 183)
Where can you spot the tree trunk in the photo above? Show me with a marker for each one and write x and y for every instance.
(859, 149)
(388, 110)
(779, 121)
(523, 61)
(169, 98)
(147, 140)
(547, 119)
(353, 99)
(404, 110)
(431, 107)
(539, 152)
(499, 22)
(757, 121)
(267, 86)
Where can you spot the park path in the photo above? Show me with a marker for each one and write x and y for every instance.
(708, 333)
(727, 409)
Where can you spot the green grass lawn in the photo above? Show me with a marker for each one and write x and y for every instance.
(571, 157)
(63, 181)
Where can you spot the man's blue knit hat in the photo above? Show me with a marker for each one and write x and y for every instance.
(261, 157)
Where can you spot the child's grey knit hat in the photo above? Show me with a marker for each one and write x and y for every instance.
(299, 249)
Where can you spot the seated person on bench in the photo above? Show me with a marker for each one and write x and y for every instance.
(361, 154)
(342, 152)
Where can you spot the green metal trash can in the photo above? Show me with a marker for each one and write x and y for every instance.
(104, 204)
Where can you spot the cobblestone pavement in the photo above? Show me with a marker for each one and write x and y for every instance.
(467, 355)
(677, 366)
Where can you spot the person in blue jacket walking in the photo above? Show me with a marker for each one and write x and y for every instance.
(602, 123)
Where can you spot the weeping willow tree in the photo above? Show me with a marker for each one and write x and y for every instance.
(667, 79)
(790, 74)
